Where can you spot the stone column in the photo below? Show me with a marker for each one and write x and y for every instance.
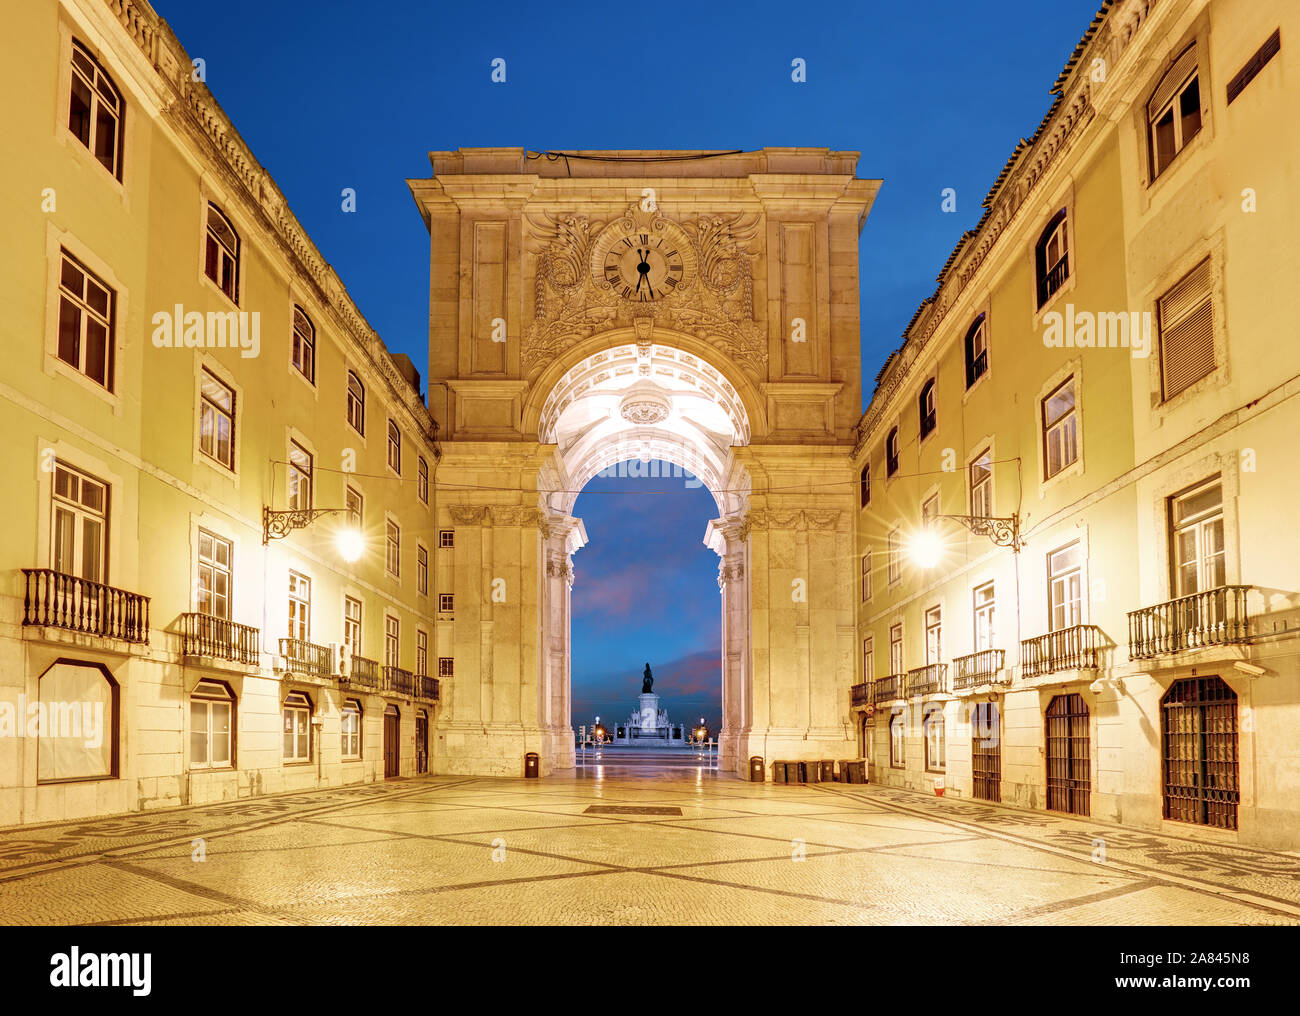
(728, 538)
(565, 535)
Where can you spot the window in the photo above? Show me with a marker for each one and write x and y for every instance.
(933, 636)
(445, 666)
(297, 727)
(446, 538)
(1254, 65)
(1201, 778)
(392, 641)
(891, 453)
(977, 351)
(984, 607)
(1186, 319)
(350, 729)
(864, 486)
(422, 653)
(1064, 587)
(95, 110)
(1197, 551)
(866, 576)
(929, 510)
(925, 405)
(355, 505)
(932, 731)
(73, 695)
(896, 649)
(394, 448)
(79, 524)
(421, 570)
(422, 483)
(868, 659)
(1052, 257)
(299, 607)
(299, 477)
(216, 420)
(896, 742)
(1060, 429)
(981, 485)
(215, 573)
(1174, 111)
(211, 729)
(304, 344)
(356, 404)
(393, 554)
(352, 624)
(86, 311)
(446, 603)
(221, 256)
(894, 548)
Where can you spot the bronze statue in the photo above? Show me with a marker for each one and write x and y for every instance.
(647, 681)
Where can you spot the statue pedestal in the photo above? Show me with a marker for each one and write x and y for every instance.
(648, 712)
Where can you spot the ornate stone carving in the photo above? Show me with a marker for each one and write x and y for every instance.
(499, 515)
(798, 519)
(717, 307)
(645, 404)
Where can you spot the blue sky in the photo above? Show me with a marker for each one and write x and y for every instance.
(332, 95)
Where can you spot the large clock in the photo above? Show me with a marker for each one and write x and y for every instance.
(643, 262)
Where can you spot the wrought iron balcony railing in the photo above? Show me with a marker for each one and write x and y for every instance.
(306, 657)
(928, 680)
(860, 694)
(1053, 280)
(399, 681)
(985, 667)
(55, 600)
(887, 689)
(1214, 617)
(1074, 648)
(365, 673)
(220, 639)
(427, 687)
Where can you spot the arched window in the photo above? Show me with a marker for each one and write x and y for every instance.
(356, 404)
(394, 448)
(1052, 257)
(1174, 111)
(891, 453)
(925, 404)
(95, 110)
(297, 727)
(77, 734)
(212, 727)
(221, 255)
(864, 486)
(977, 351)
(304, 344)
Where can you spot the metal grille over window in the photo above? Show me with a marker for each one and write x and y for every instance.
(1186, 332)
(1069, 763)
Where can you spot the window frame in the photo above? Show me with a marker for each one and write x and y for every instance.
(215, 568)
(358, 401)
(1206, 301)
(300, 479)
(223, 254)
(976, 367)
(891, 453)
(392, 640)
(868, 588)
(351, 707)
(869, 658)
(896, 646)
(393, 456)
(446, 603)
(446, 539)
(1197, 524)
(928, 732)
(984, 616)
(86, 315)
(81, 513)
(1186, 75)
(422, 479)
(303, 345)
(353, 629)
(1073, 608)
(112, 722)
(1058, 225)
(296, 703)
(927, 410)
(211, 692)
(208, 407)
(98, 99)
(984, 460)
(392, 548)
(897, 742)
(1059, 423)
(299, 606)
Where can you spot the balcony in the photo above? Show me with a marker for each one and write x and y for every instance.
(1216, 617)
(55, 600)
(928, 680)
(887, 689)
(985, 667)
(398, 681)
(219, 639)
(1052, 281)
(860, 694)
(306, 658)
(365, 673)
(426, 687)
(1074, 648)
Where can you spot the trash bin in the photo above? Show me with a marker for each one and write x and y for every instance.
(532, 765)
(757, 774)
(853, 770)
(778, 772)
(827, 774)
(809, 772)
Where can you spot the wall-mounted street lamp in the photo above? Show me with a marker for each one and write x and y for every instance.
(926, 547)
(277, 524)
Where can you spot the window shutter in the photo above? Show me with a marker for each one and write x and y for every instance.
(1172, 81)
(1187, 332)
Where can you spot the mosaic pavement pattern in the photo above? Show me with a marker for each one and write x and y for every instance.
(682, 847)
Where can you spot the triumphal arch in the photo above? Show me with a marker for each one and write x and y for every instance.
(588, 308)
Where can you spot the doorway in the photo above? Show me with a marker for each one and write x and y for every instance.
(1200, 741)
(421, 742)
(392, 742)
(1069, 746)
(986, 752)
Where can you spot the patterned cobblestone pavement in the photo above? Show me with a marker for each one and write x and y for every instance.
(628, 847)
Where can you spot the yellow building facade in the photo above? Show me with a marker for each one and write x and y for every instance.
(180, 361)
(1077, 589)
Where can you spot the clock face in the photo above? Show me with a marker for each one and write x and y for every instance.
(644, 263)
